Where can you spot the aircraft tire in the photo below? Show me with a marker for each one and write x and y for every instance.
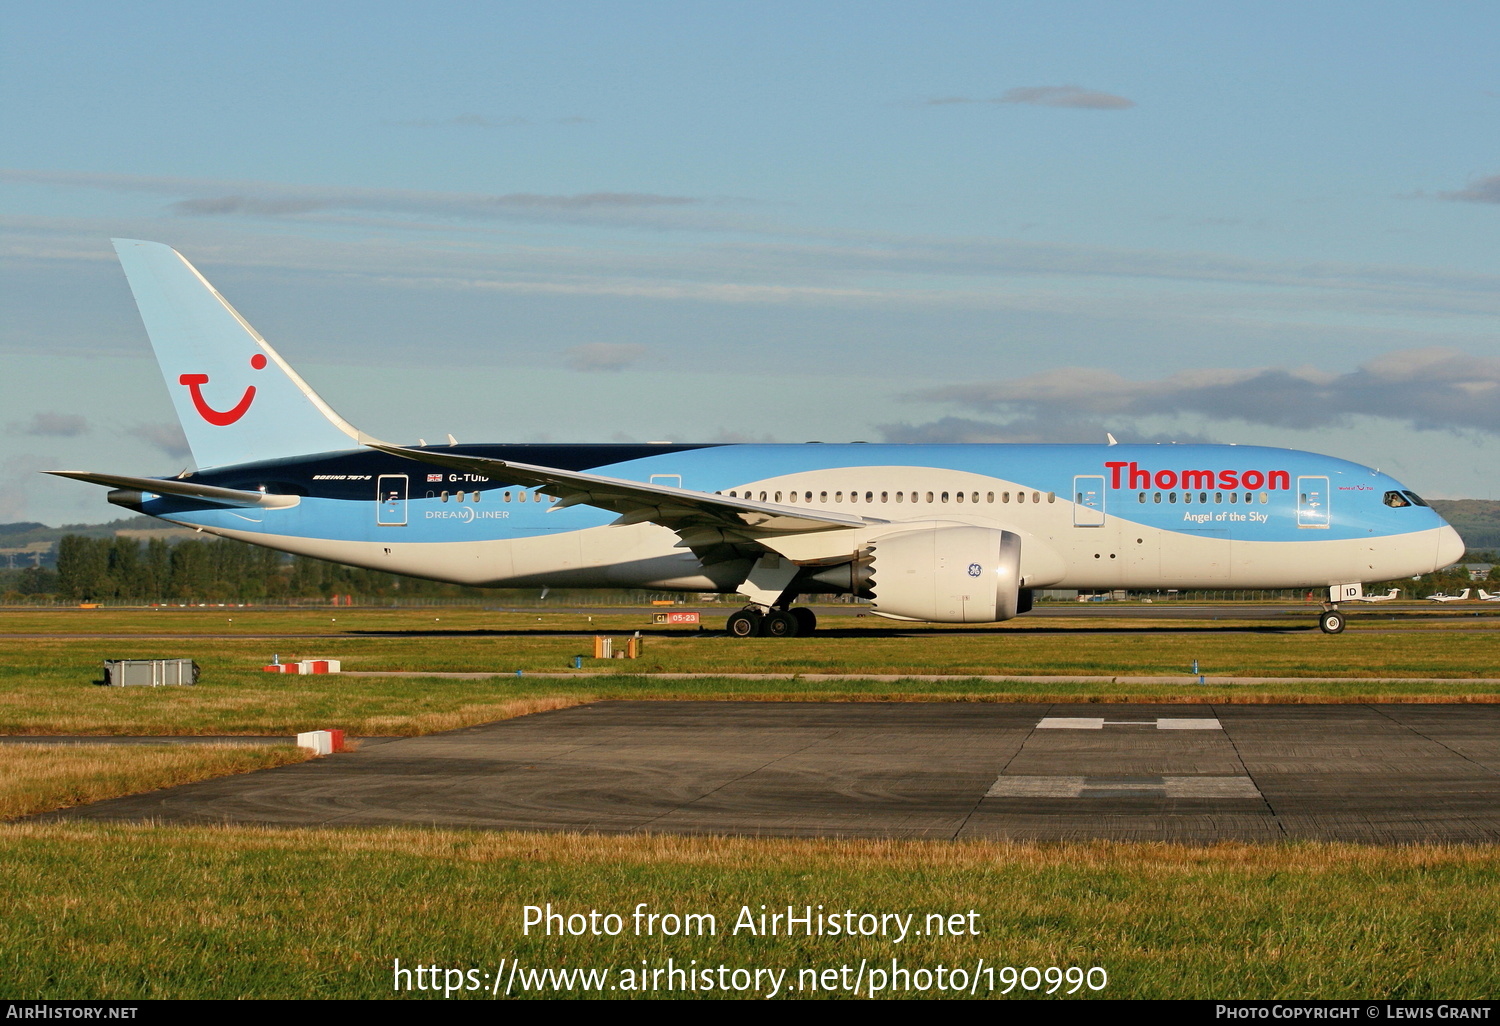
(1331, 622)
(779, 624)
(807, 621)
(744, 624)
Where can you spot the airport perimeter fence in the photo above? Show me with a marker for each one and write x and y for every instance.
(529, 600)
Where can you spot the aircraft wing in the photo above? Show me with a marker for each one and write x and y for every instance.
(704, 520)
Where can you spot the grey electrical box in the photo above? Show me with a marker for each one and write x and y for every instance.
(155, 673)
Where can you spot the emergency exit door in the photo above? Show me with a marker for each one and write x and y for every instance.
(390, 500)
(1312, 502)
(1088, 500)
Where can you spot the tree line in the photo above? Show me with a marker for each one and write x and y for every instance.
(128, 570)
(123, 569)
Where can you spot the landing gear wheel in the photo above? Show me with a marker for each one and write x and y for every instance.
(779, 624)
(807, 622)
(744, 624)
(1331, 622)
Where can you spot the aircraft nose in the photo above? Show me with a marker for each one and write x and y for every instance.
(1450, 547)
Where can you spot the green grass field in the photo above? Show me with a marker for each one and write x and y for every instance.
(100, 911)
(49, 659)
(228, 913)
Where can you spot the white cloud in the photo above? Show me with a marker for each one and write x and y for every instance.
(50, 425)
(166, 436)
(1429, 389)
(1045, 96)
(1483, 190)
(1024, 429)
(206, 197)
(1065, 96)
(605, 356)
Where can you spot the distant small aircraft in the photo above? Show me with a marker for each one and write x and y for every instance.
(1388, 596)
(1485, 596)
(1449, 598)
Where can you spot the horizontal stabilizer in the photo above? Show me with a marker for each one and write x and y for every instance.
(185, 489)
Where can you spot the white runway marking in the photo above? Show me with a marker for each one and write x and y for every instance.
(1099, 723)
(1123, 787)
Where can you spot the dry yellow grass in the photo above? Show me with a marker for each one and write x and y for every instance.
(39, 778)
(1149, 859)
(466, 715)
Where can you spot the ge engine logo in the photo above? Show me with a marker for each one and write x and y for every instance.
(975, 569)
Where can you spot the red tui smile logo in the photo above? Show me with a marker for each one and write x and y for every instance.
(220, 418)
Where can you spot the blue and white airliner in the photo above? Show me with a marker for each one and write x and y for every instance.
(933, 533)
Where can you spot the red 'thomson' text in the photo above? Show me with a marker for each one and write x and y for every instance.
(1130, 475)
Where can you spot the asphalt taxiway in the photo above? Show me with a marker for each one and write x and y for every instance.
(1197, 774)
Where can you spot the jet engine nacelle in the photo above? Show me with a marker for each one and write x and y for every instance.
(948, 573)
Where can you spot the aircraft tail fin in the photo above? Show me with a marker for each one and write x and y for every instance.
(237, 399)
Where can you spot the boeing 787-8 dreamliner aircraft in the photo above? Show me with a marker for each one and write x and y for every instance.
(936, 533)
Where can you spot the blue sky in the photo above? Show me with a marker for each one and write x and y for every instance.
(1265, 223)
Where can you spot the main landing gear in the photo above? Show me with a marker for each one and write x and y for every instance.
(754, 622)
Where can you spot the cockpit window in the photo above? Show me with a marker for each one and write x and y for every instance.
(1415, 498)
(1395, 500)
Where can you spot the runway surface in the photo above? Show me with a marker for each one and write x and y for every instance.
(1196, 774)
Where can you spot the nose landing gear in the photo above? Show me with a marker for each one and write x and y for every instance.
(1331, 621)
